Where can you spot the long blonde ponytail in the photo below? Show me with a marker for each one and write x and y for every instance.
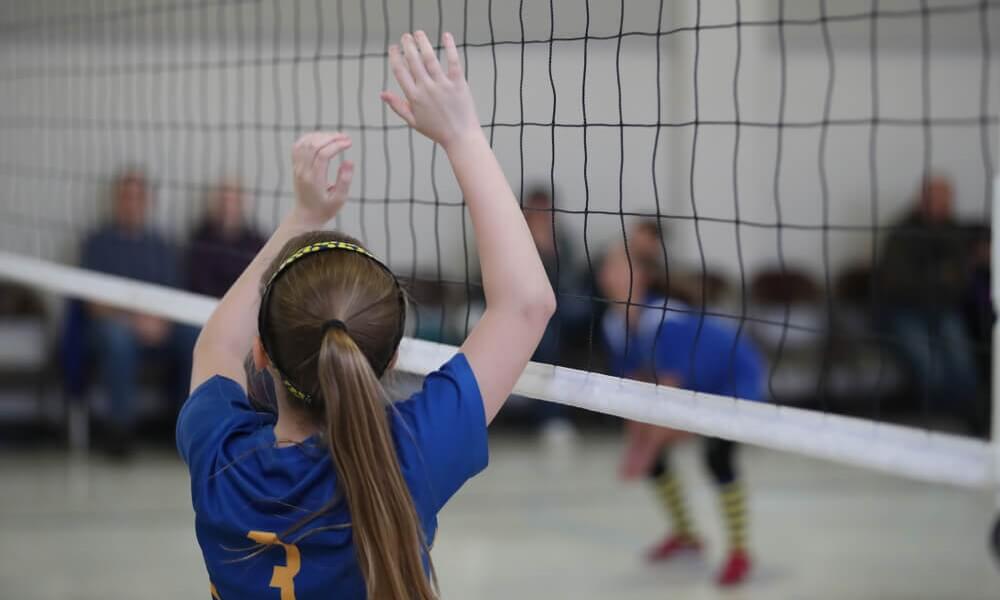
(387, 535)
(332, 375)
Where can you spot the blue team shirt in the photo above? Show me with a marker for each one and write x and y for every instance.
(709, 357)
(243, 486)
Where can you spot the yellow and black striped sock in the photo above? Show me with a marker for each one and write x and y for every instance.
(671, 494)
(734, 512)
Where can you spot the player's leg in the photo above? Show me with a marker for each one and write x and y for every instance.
(670, 492)
(720, 458)
(116, 350)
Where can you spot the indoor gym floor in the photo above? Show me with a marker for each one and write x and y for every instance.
(534, 525)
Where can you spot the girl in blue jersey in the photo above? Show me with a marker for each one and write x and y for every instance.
(658, 339)
(337, 495)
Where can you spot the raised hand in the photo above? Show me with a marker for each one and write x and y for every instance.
(317, 200)
(437, 101)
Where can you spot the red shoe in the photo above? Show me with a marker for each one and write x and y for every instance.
(672, 546)
(736, 569)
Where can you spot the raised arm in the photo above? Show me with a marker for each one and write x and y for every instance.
(229, 333)
(519, 299)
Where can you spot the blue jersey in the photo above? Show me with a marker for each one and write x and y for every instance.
(704, 354)
(247, 491)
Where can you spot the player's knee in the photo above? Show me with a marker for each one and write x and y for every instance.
(658, 470)
(719, 459)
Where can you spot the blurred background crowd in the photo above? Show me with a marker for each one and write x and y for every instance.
(906, 338)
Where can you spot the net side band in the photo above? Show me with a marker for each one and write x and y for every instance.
(904, 451)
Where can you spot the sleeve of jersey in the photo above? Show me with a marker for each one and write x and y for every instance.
(214, 410)
(442, 434)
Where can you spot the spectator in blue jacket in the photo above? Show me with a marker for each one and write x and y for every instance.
(121, 339)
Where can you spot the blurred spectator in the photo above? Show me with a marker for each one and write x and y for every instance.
(979, 315)
(923, 276)
(539, 213)
(117, 338)
(977, 306)
(223, 245)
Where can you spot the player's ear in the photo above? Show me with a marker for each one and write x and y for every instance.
(392, 363)
(260, 361)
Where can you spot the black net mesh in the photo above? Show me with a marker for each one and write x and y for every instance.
(775, 151)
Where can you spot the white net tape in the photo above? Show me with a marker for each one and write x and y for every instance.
(895, 449)
(763, 136)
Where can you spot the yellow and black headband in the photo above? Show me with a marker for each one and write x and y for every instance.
(265, 301)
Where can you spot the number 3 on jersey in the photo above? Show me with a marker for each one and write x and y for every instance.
(284, 575)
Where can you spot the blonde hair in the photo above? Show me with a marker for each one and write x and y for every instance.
(333, 375)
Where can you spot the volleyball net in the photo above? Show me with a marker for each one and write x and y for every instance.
(774, 147)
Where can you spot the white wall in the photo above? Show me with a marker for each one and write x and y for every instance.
(106, 79)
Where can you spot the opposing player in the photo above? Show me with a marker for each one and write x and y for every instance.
(663, 340)
(337, 496)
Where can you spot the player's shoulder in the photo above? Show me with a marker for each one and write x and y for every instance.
(453, 379)
(214, 400)
(216, 411)
(219, 387)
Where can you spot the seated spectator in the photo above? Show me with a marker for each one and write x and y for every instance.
(556, 428)
(119, 338)
(223, 245)
(978, 312)
(977, 303)
(922, 279)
